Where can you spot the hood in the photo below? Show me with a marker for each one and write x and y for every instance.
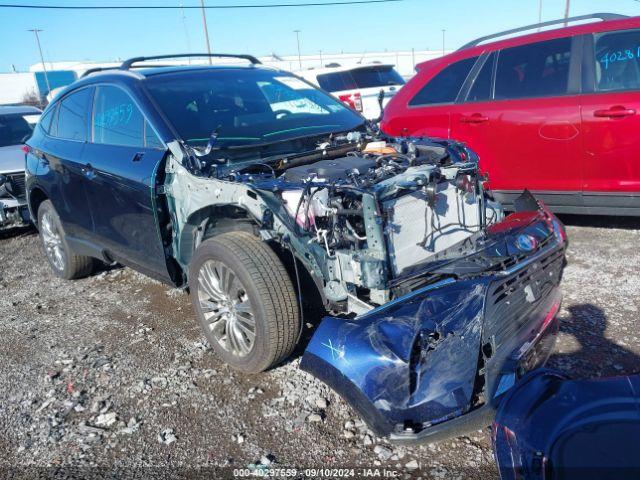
(12, 159)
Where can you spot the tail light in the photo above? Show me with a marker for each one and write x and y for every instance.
(26, 148)
(352, 100)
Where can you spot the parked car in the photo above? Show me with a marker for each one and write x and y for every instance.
(197, 176)
(555, 112)
(16, 126)
(358, 86)
(552, 427)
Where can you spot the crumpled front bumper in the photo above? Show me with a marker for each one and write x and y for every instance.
(434, 363)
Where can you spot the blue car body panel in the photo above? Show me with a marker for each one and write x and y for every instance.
(552, 427)
(444, 351)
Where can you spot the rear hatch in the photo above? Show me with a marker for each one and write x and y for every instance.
(360, 87)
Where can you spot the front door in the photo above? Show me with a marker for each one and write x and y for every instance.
(611, 121)
(123, 159)
(525, 123)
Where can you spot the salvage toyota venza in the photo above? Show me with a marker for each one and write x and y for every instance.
(260, 192)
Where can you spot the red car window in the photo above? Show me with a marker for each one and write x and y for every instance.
(536, 70)
(444, 87)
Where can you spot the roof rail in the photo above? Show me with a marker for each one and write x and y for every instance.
(599, 16)
(127, 64)
(106, 69)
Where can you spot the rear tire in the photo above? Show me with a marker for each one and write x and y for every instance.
(64, 263)
(244, 301)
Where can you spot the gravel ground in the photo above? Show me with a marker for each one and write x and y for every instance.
(111, 372)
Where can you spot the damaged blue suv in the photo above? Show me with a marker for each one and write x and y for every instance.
(259, 193)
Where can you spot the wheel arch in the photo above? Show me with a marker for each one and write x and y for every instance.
(36, 196)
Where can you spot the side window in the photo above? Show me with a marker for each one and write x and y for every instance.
(45, 120)
(73, 113)
(117, 120)
(444, 87)
(150, 138)
(535, 70)
(481, 88)
(617, 57)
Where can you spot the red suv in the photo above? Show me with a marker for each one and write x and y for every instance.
(557, 112)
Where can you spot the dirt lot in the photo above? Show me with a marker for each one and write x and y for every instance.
(111, 372)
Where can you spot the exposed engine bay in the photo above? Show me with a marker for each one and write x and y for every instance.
(363, 213)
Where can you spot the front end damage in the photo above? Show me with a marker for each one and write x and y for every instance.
(13, 205)
(437, 302)
(434, 363)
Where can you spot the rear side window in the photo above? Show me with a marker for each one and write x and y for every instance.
(617, 57)
(536, 70)
(444, 87)
(73, 114)
(337, 81)
(118, 121)
(45, 121)
(481, 88)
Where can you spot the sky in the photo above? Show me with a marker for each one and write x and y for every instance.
(113, 35)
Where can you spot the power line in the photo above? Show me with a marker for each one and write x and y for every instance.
(172, 7)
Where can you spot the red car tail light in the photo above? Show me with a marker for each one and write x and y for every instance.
(353, 100)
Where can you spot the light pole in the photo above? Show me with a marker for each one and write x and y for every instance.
(44, 68)
(539, 12)
(206, 30)
(443, 32)
(297, 32)
(321, 63)
(566, 11)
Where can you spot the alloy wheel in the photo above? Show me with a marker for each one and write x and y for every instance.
(52, 241)
(226, 308)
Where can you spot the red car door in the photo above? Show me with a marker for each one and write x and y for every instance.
(524, 124)
(611, 120)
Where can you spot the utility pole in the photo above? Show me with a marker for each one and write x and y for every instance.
(321, 63)
(44, 68)
(539, 12)
(566, 11)
(443, 33)
(206, 30)
(297, 32)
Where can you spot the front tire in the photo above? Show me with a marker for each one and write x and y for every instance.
(64, 263)
(244, 301)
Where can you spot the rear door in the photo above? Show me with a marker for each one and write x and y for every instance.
(427, 113)
(524, 120)
(122, 159)
(611, 120)
(62, 168)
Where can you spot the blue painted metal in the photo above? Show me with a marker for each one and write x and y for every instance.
(549, 427)
(421, 361)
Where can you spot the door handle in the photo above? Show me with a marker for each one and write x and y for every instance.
(615, 112)
(475, 118)
(88, 172)
(137, 157)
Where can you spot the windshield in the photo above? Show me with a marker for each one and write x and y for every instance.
(370, 77)
(15, 129)
(246, 107)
